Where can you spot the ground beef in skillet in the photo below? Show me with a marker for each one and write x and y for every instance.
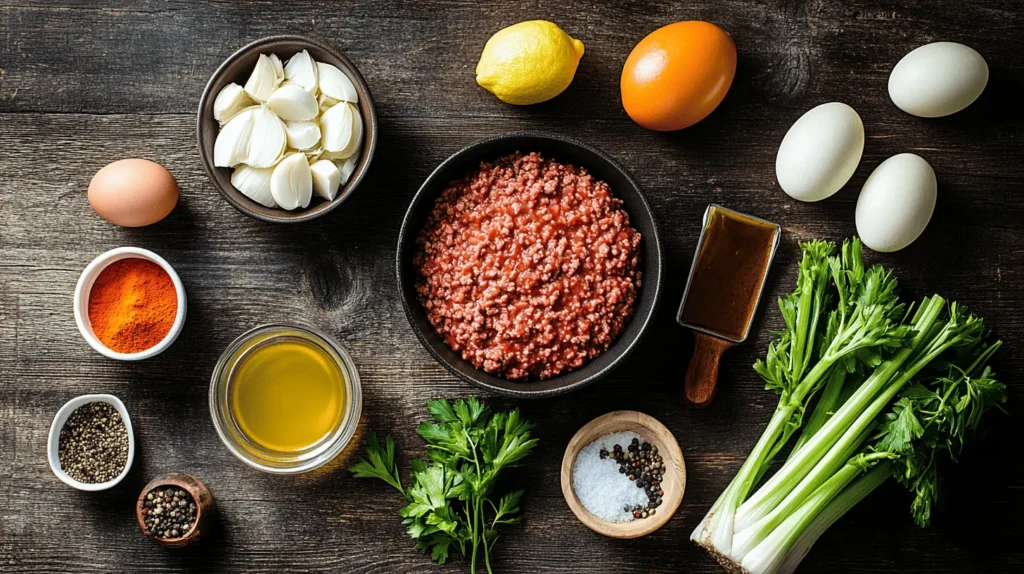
(528, 267)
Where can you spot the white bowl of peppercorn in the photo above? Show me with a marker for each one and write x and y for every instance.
(91, 445)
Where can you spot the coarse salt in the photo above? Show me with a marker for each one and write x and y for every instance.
(600, 487)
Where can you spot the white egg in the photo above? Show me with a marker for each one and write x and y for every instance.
(896, 203)
(820, 152)
(938, 79)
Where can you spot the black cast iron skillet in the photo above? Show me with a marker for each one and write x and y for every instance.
(564, 150)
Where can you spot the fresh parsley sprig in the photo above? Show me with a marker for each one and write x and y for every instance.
(381, 463)
(450, 500)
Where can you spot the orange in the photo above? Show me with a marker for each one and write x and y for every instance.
(678, 75)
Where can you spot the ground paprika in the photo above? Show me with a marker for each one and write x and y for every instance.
(132, 305)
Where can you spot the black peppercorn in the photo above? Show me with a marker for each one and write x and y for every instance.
(642, 465)
(169, 512)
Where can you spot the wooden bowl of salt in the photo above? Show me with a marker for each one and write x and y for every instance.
(598, 478)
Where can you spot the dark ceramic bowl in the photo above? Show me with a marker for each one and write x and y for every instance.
(237, 69)
(564, 150)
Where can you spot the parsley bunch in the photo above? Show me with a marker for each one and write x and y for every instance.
(450, 501)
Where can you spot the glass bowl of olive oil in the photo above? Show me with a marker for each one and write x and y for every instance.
(285, 399)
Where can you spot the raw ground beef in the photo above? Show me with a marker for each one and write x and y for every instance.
(528, 267)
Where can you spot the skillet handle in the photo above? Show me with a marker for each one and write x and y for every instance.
(702, 374)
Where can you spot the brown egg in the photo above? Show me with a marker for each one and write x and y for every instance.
(133, 192)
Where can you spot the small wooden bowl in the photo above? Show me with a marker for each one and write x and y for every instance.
(673, 483)
(205, 508)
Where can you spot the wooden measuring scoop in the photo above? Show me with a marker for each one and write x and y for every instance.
(726, 279)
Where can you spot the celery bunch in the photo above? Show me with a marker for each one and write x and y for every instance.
(899, 390)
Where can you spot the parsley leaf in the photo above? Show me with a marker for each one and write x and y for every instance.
(381, 463)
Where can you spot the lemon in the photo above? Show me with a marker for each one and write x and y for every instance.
(529, 62)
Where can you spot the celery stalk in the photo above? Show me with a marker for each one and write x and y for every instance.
(799, 540)
(825, 408)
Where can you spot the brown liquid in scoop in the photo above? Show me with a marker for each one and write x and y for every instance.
(728, 273)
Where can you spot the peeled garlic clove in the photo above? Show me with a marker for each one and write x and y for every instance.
(336, 128)
(291, 184)
(278, 68)
(263, 80)
(254, 183)
(347, 168)
(302, 135)
(231, 100)
(301, 69)
(326, 179)
(269, 139)
(232, 145)
(292, 103)
(352, 147)
(335, 84)
(357, 131)
(326, 102)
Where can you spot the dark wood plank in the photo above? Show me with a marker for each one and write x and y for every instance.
(80, 57)
(83, 85)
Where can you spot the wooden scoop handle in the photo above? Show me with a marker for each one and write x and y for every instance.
(702, 375)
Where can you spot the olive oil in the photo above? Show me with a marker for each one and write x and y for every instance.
(286, 395)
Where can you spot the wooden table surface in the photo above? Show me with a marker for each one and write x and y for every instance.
(81, 86)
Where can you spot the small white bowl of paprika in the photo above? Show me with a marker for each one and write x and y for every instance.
(129, 304)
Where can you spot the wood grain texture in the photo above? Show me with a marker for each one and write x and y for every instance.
(82, 85)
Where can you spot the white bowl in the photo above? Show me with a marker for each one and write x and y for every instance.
(84, 287)
(53, 444)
